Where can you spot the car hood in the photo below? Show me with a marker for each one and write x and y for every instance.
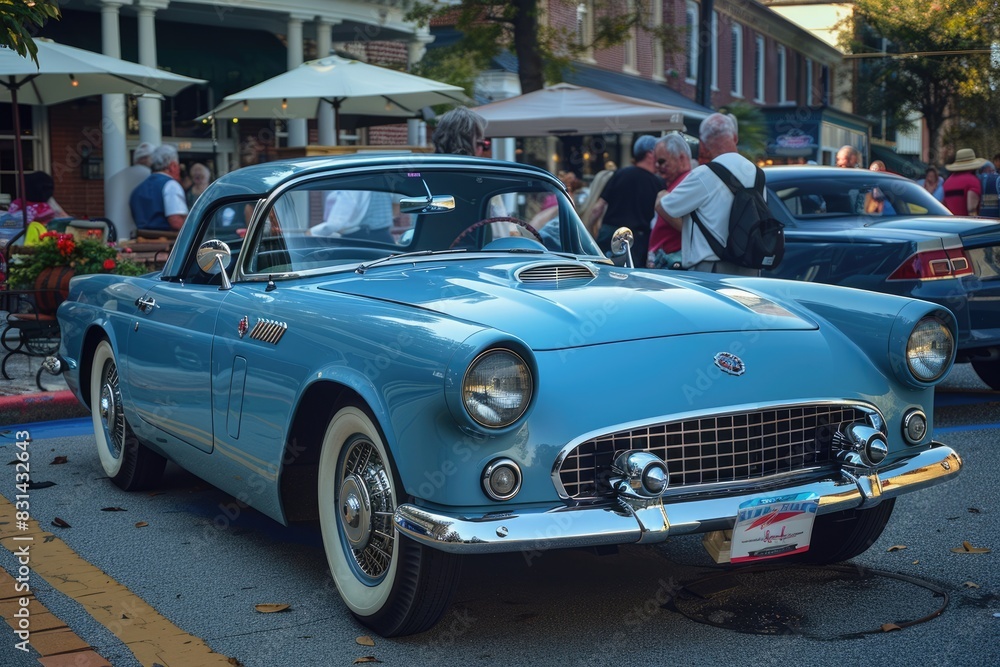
(602, 305)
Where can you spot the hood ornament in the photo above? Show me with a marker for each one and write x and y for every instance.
(730, 363)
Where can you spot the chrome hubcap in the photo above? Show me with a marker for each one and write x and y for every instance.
(365, 506)
(355, 509)
(109, 407)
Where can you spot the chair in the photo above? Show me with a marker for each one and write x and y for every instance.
(31, 327)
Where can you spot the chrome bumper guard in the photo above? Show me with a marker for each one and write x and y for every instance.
(654, 521)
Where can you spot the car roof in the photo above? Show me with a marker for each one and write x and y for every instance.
(259, 179)
(808, 171)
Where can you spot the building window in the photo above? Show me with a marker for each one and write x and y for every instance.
(824, 84)
(758, 69)
(630, 45)
(585, 28)
(658, 50)
(782, 75)
(715, 50)
(691, 23)
(736, 60)
(809, 82)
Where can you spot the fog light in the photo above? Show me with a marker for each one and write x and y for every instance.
(501, 479)
(645, 474)
(914, 426)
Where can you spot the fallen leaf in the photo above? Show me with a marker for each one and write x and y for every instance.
(58, 460)
(141, 524)
(889, 627)
(971, 584)
(915, 562)
(974, 510)
(40, 485)
(366, 658)
(59, 523)
(365, 640)
(896, 547)
(113, 509)
(235, 662)
(270, 608)
(967, 548)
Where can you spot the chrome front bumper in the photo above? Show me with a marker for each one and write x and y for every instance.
(564, 526)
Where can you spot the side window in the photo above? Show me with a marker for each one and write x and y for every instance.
(228, 224)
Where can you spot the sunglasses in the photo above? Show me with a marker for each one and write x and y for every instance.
(661, 161)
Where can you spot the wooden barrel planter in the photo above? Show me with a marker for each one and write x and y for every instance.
(52, 288)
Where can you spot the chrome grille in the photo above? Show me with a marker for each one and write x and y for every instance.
(552, 273)
(715, 448)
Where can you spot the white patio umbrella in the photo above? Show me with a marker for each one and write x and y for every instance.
(350, 86)
(66, 73)
(565, 109)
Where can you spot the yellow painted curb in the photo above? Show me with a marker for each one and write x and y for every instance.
(151, 637)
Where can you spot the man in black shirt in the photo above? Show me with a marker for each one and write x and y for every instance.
(629, 198)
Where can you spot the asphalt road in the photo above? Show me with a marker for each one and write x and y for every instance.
(203, 564)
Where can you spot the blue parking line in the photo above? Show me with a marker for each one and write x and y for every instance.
(965, 427)
(60, 428)
(952, 399)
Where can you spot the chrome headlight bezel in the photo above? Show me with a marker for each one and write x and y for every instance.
(930, 350)
(485, 411)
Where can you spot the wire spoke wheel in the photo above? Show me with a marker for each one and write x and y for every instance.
(366, 508)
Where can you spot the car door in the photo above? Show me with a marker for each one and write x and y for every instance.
(169, 373)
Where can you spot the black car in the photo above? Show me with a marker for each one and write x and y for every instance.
(881, 232)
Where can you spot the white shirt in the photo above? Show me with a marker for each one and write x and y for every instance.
(120, 187)
(344, 211)
(174, 201)
(703, 191)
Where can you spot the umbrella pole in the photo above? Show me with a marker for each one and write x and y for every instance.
(18, 155)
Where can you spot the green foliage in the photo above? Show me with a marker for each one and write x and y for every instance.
(84, 256)
(488, 28)
(752, 129)
(946, 45)
(16, 19)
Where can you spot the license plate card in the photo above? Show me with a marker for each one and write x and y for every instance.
(773, 527)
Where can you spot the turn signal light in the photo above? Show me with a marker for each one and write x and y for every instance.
(934, 265)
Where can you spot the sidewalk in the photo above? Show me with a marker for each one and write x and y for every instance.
(22, 402)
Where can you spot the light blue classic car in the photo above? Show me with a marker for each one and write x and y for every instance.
(430, 355)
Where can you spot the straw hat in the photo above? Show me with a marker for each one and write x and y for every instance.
(965, 160)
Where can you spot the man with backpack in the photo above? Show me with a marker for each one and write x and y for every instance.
(716, 236)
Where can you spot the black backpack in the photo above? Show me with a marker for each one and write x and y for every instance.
(756, 240)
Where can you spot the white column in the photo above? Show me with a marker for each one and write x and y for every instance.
(297, 127)
(113, 126)
(418, 45)
(325, 118)
(150, 108)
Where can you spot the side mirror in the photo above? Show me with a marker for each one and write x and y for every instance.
(213, 256)
(621, 244)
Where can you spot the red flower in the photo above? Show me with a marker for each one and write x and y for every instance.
(109, 264)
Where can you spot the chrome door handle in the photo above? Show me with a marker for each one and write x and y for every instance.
(146, 305)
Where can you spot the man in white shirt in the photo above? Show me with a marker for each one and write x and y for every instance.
(704, 192)
(121, 186)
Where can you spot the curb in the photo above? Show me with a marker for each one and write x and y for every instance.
(40, 407)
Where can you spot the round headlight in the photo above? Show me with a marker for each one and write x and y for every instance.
(929, 349)
(497, 388)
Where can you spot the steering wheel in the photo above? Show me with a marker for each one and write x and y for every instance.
(489, 221)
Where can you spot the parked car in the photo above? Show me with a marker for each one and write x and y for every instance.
(438, 379)
(906, 242)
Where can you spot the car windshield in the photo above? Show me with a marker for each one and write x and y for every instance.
(846, 193)
(363, 216)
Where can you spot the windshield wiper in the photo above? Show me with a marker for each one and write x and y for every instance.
(403, 255)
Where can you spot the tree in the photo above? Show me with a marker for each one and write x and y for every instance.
(936, 53)
(543, 51)
(17, 17)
